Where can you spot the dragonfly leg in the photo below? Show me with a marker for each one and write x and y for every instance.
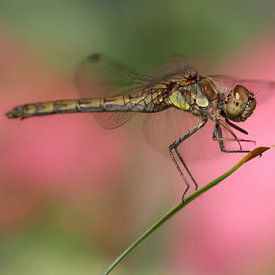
(180, 172)
(173, 151)
(218, 136)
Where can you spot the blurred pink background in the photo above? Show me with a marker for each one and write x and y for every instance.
(108, 186)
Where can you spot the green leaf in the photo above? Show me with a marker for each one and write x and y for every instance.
(254, 153)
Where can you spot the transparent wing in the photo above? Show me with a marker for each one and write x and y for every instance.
(263, 89)
(98, 69)
(162, 129)
(100, 76)
(175, 66)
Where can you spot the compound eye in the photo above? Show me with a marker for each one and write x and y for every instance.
(238, 101)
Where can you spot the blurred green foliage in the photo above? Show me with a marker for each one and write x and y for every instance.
(143, 33)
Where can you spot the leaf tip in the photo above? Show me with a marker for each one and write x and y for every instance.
(256, 152)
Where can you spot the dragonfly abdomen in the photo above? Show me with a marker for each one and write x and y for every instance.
(60, 107)
(135, 102)
(140, 102)
(44, 108)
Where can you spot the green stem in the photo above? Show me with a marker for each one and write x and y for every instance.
(256, 152)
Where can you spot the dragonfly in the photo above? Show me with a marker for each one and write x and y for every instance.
(225, 100)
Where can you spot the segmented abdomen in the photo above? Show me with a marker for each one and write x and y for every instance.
(138, 101)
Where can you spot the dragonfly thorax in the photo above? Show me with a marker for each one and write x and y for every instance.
(194, 97)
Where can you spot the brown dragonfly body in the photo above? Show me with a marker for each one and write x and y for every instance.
(201, 96)
(190, 95)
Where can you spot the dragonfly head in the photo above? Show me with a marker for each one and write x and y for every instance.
(239, 104)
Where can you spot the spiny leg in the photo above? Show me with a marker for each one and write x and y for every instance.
(186, 168)
(173, 148)
(229, 123)
(218, 136)
(180, 172)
